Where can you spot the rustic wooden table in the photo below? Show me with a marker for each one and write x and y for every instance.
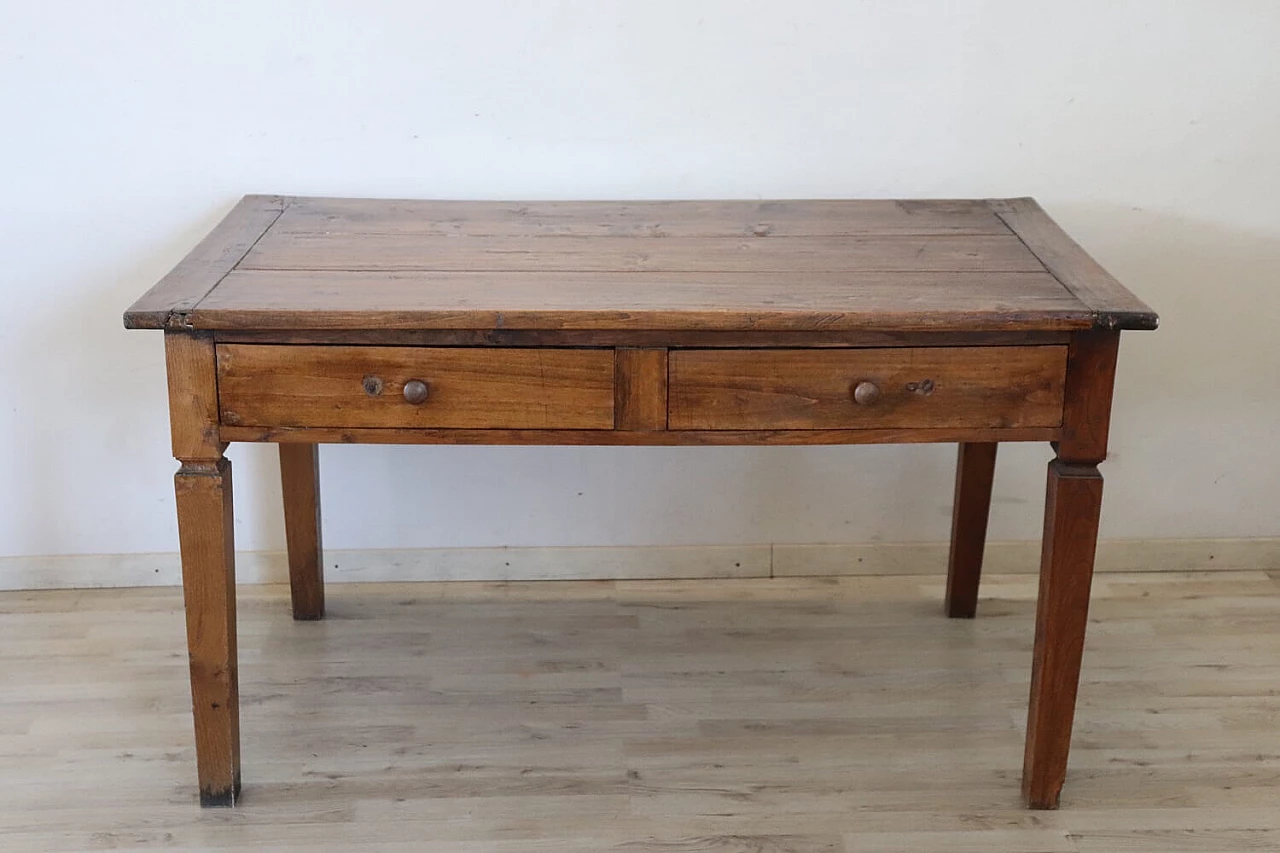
(303, 321)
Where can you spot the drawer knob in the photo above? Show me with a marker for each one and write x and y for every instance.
(866, 393)
(415, 392)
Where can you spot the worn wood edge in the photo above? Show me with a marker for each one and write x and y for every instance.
(674, 320)
(926, 560)
(169, 302)
(1114, 306)
(221, 797)
(606, 437)
(863, 338)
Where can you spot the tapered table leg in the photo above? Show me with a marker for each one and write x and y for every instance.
(1072, 506)
(975, 469)
(300, 483)
(208, 584)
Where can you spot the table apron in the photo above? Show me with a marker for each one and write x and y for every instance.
(637, 438)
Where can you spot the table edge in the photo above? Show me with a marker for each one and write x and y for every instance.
(1114, 306)
(168, 303)
(634, 438)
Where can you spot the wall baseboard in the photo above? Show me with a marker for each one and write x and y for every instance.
(635, 562)
(1114, 555)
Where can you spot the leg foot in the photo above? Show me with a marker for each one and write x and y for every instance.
(221, 798)
(975, 470)
(1072, 506)
(300, 482)
(208, 586)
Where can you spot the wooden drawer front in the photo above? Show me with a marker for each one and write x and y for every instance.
(980, 387)
(351, 386)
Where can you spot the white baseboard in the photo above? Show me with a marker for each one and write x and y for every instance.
(421, 564)
(635, 562)
(1114, 555)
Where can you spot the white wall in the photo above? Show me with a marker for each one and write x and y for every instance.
(1150, 130)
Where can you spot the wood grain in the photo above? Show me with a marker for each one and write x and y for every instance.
(609, 437)
(975, 473)
(1091, 377)
(751, 300)
(1114, 307)
(205, 531)
(983, 387)
(468, 388)
(191, 373)
(651, 219)
(641, 338)
(640, 386)
(167, 303)
(382, 252)
(368, 264)
(1073, 504)
(300, 487)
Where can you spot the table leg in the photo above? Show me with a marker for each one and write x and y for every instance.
(1072, 505)
(300, 483)
(205, 528)
(975, 469)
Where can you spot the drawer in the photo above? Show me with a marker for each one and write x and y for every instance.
(978, 387)
(355, 386)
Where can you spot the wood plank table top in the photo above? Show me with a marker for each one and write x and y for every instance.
(356, 264)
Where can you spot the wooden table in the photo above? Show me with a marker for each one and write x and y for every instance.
(303, 321)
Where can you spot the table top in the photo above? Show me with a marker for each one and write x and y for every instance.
(289, 263)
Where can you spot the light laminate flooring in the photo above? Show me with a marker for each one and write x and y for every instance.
(799, 714)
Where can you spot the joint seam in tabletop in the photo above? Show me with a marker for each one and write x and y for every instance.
(171, 301)
(1130, 314)
(182, 318)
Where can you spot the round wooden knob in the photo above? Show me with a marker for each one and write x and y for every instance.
(866, 393)
(415, 392)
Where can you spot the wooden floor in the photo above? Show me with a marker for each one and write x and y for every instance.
(748, 715)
